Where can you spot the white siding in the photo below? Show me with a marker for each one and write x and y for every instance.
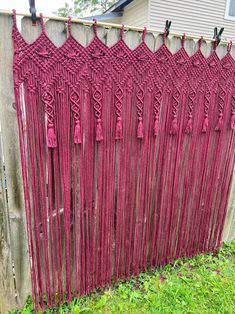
(191, 16)
(115, 20)
(136, 13)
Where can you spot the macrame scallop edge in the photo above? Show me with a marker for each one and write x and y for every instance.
(160, 59)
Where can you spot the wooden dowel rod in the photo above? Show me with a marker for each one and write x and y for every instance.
(113, 25)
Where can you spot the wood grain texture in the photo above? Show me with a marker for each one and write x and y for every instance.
(7, 291)
(10, 142)
(229, 227)
(56, 32)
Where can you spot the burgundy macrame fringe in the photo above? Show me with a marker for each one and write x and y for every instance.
(127, 158)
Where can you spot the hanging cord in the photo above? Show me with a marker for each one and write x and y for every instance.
(122, 32)
(14, 18)
(144, 34)
(95, 27)
(42, 23)
(200, 42)
(229, 46)
(164, 38)
(215, 44)
(183, 40)
(70, 26)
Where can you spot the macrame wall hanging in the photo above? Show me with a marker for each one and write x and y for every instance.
(127, 157)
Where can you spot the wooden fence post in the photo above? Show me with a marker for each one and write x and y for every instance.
(7, 291)
(229, 226)
(10, 141)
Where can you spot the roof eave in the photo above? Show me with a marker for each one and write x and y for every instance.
(118, 6)
(104, 16)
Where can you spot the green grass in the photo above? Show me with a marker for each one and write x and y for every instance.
(198, 285)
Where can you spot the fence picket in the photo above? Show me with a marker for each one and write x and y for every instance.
(19, 246)
(229, 227)
(7, 291)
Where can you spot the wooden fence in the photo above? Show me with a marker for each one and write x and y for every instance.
(14, 260)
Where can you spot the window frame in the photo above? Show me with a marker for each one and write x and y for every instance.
(226, 15)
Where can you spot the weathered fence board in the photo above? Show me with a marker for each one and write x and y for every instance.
(7, 291)
(229, 227)
(16, 250)
(19, 247)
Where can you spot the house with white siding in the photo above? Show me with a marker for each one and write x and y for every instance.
(197, 17)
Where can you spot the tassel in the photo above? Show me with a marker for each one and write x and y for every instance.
(156, 126)
(51, 138)
(174, 126)
(205, 124)
(220, 123)
(118, 134)
(189, 126)
(232, 123)
(77, 133)
(99, 131)
(140, 133)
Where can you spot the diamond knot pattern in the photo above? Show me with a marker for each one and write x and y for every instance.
(162, 60)
(120, 56)
(227, 66)
(213, 62)
(198, 65)
(97, 55)
(142, 58)
(72, 55)
(180, 62)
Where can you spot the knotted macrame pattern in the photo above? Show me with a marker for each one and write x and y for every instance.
(127, 157)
